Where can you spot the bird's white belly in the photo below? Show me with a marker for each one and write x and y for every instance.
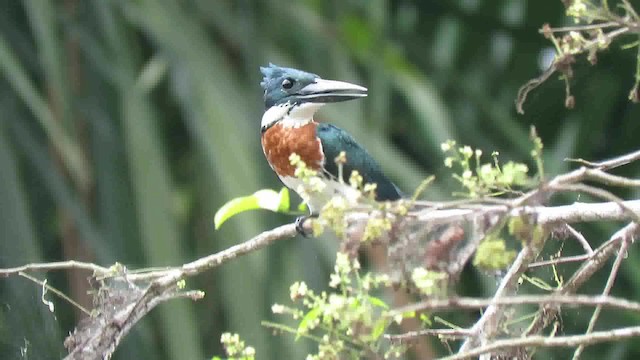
(316, 200)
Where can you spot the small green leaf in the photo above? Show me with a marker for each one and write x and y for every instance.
(425, 320)
(379, 328)
(304, 323)
(271, 200)
(234, 207)
(303, 207)
(378, 302)
(285, 200)
(409, 314)
(262, 199)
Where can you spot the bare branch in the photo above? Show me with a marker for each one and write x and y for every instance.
(581, 27)
(543, 341)
(599, 257)
(208, 262)
(611, 180)
(585, 244)
(61, 265)
(584, 212)
(458, 303)
(413, 335)
(487, 325)
(596, 262)
(574, 213)
(612, 163)
(607, 289)
(46, 287)
(603, 194)
(99, 335)
(562, 260)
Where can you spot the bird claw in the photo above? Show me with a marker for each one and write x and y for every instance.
(300, 220)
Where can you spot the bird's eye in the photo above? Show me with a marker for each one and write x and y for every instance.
(287, 83)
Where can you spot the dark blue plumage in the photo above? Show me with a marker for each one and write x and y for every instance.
(334, 140)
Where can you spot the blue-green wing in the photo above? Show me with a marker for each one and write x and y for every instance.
(335, 140)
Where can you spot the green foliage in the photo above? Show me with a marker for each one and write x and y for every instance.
(430, 283)
(376, 227)
(347, 323)
(483, 179)
(536, 152)
(332, 216)
(492, 254)
(266, 199)
(235, 348)
(526, 232)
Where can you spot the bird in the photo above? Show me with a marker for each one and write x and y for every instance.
(291, 98)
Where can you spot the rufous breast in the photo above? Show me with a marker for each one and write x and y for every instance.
(279, 142)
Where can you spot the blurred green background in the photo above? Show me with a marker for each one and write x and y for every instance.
(125, 124)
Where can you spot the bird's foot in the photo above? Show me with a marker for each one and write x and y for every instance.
(300, 220)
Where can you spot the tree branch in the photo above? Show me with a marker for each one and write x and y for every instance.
(120, 309)
(487, 326)
(476, 303)
(543, 341)
(597, 260)
(60, 265)
(622, 253)
(413, 335)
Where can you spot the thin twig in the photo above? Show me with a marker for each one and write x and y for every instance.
(580, 27)
(219, 258)
(585, 244)
(55, 291)
(609, 164)
(413, 335)
(60, 265)
(584, 273)
(599, 257)
(622, 253)
(611, 180)
(561, 260)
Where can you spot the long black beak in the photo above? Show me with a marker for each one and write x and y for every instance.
(325, 91)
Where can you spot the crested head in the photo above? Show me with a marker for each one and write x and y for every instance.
(280, 83)
(293, 95)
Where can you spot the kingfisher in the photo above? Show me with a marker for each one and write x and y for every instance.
(291, 99)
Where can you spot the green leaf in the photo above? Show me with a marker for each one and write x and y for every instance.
(378, 302)
(311, 315)
(262, 199)
(379, 328)
(426, 320)
(303, 207)
(285, 202)
(408, 314)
